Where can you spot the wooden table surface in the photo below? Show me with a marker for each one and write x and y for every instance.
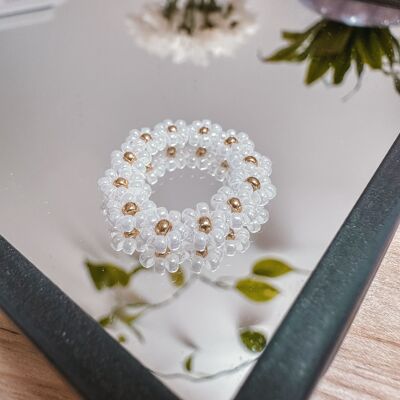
(367, 366)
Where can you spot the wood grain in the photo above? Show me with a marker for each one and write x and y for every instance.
(367, 366)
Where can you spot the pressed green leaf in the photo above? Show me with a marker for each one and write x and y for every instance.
(316, 69)
(375, 49)
(331, 40)
(294, 36)
(256, 290)
(271, 268)
(341, 65)
(284, 54)
(366, 48)
(386, 42)
(107, 275)
(302, 36)
(121, 338)
(106, 321)
(128, 319)
(177, 278)
(253, 340)
(358, 62)
(188, 363)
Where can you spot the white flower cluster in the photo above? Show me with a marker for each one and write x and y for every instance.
(201, 236)
(224, 31)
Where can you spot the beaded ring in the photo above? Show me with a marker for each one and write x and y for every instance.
(199, 237)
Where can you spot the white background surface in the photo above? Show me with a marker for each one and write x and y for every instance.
(72, 88)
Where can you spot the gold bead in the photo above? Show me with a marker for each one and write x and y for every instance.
(172, 129)
(149, 167)
(171, 151)
(163, 255)
(225, 164)
(203, 130)
(129, 157)
(163, 227)
(121, 182)
(251, 159)
(205, 224)
(230, 140)
(130, 208)
(235, 204)
(254, 182)
(146, 137)
(201, 151)
(132, 234)
(203, 253)
(231, 235)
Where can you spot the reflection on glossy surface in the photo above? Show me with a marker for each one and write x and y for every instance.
(355, 13)
(72, 89)
(192, 30)
(330, 48)
(123, 318)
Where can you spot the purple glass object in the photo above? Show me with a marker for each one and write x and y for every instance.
(355, 13)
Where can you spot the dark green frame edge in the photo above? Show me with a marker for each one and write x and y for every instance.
(299, 352)
(309, 336)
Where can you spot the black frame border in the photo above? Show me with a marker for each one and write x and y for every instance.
(299, 352)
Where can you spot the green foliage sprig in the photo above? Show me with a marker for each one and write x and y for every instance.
(331, 47)
(253, 287)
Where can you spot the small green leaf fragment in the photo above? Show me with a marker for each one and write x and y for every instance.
(316, 69)
(341, 65)
(177, 278)
(105, 321)
(386, 41)
(253, 340)
(271, 268)
(284, 54)
(188, 363)
(256, 290)
(121, 338)
(358, 61)
(331, 40)
(106, 275)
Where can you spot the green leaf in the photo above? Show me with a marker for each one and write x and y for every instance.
(177, 278)
(316, 69)
(376, 51)
(358, 61)
(253, 341)
(271, 268)
(121, 338)
(284, 54)
(107, 275)
(105, 321)
(341, 65)
(188, 363)
(386, 42)
(302, 36)
(331, 40)
(366, 48)
(128, 319)
(256, 290)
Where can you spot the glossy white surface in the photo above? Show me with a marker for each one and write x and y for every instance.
(72, 88)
